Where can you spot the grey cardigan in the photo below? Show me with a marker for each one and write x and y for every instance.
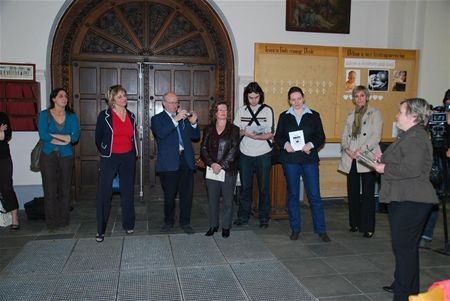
(407, 171)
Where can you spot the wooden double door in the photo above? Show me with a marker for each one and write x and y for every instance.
(146, 84)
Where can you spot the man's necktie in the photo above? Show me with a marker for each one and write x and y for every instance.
(180, 139)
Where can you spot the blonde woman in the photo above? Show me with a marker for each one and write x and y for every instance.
(362, 133)
(115, 138)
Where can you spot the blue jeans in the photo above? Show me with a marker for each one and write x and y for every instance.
(310, 174)
(260, 165)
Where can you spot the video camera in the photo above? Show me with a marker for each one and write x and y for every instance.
(436, 125)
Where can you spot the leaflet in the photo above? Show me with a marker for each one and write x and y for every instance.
(297, 140)
(257, 129)
(216, 177)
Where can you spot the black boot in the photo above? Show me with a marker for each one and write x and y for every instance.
(211, 231)
(225, 232)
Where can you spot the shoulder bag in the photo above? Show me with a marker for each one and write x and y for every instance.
(36, 152)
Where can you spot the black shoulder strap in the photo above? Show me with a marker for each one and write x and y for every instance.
(254, 119)
(254, 115)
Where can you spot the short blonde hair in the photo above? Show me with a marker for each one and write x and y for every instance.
(112, 92)
(361, 88)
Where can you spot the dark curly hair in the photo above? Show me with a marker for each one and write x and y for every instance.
(214, 109)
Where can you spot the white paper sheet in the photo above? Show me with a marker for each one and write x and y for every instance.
(216, 177)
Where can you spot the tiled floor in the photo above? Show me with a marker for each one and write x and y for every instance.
(349, 268)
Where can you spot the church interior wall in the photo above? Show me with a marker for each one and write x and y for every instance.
(27, 26)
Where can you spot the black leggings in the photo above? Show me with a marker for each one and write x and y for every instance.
(9, 200)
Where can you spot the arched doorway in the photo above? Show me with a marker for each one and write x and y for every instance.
(148, 46)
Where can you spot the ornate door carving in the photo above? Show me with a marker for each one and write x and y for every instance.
(100, 41)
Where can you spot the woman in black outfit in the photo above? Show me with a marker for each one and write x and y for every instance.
(9, 203)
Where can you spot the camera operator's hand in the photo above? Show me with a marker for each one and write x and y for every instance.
(183, 114)
(448, 153)
(193, 118)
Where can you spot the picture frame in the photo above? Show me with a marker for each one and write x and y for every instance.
(315, 16)
(17, 71)
(378, 80)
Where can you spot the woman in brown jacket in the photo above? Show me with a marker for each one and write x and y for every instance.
(405, 185)
(219, 151)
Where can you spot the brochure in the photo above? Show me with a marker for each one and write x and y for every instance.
(297, 140)
(216, 177)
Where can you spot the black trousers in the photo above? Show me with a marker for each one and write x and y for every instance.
(215, 189)
(56, 174)
(407, 220)
(125, 166)
(10, 202)
(361, 210)
(178, 182)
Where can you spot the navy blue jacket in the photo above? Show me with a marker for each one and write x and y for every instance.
(166, 136)
(104, 133)
(311, 125)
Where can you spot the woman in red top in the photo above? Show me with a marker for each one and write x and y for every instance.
(115, 138)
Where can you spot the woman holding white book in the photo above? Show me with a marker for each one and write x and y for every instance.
(299, 135)
(219, 150)
(361, 136)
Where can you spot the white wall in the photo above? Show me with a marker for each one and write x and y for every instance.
(24, 34)
(26, 27)
(434, 75)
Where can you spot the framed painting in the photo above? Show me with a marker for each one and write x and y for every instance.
(12, 71)
(330, 16)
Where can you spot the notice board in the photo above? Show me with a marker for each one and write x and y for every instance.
(327, 76)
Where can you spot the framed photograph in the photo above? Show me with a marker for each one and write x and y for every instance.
(378, 80)
(331, 16)
(12, 71)
(400, 77)
(352, 79)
